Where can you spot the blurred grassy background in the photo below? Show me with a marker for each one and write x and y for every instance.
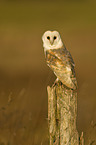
(24, 74)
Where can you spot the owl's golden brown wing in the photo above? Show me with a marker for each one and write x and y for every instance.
(62, 64)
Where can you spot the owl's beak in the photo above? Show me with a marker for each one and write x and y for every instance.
(51, 42)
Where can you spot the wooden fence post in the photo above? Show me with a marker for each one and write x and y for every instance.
(62, 112)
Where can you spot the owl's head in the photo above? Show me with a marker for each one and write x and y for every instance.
(52, 40)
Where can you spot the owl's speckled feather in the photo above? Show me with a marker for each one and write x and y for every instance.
(60, 61)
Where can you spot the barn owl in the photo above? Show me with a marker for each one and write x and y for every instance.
(59, 59)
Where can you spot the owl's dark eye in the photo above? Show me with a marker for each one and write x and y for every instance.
(48, 37)
(55, 37)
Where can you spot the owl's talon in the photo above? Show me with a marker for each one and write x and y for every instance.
(56, 82)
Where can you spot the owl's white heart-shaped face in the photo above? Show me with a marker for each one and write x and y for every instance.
(52, 40)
